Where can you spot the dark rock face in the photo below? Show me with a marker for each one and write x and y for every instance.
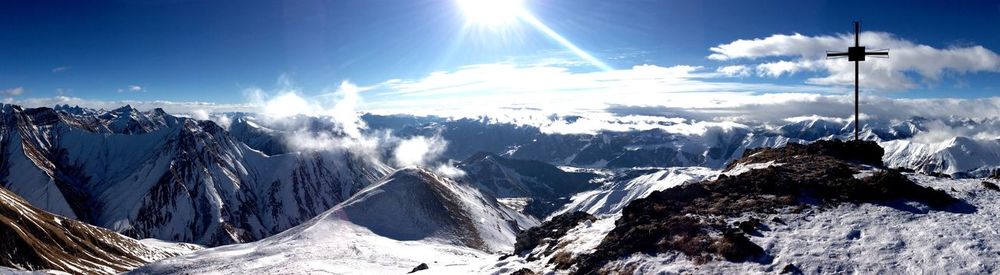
(422, 266)
(523, 271)
(990, 186)
(549, 231)
(791, 269)
(690, 218)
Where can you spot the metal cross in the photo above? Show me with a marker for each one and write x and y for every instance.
(856, 54)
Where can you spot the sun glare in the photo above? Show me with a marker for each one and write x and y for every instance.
(491, 13)
(496, 15)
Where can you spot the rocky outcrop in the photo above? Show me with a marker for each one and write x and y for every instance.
(549, 232)
(691, 219)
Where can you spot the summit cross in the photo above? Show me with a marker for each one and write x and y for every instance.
(856, 54)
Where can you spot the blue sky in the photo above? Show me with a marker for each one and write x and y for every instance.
(215, 51)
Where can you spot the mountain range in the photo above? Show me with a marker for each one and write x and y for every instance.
(247, 186)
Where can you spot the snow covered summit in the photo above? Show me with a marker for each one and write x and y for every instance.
(409, 217)
(414, 204)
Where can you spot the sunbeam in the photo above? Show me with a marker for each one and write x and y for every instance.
(495, 15)
(537, 24)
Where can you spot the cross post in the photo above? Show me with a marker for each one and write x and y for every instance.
(856, 54)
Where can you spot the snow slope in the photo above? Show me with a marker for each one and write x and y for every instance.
(330, 247)
(408, 218)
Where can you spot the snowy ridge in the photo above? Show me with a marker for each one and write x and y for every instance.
(169, 178)
(959, 156)
(410, 217)
(435, 208)
(628, 185)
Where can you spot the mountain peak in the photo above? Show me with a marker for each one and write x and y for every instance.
(414, 204)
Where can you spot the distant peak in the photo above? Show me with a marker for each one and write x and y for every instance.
(124, 109)
(480, 156)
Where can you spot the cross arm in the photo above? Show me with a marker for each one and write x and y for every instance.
(832, 54)
(876, 53)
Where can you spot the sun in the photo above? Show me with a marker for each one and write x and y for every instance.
(491, 13)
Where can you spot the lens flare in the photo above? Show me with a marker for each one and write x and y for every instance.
(498, 14)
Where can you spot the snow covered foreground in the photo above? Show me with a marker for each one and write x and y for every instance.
(849, 238)
(334, 247)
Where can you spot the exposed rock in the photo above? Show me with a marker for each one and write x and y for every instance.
(791, 269)
(748, 226)
(548, 232)
(736, 247)
(523, 271)
(422, 266)
(990, 186)
(864, 152)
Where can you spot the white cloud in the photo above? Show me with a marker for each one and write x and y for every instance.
(419, 151)
(449, 170)
(200, 114)
(11, 92)
(735, 70)
(61, 69)
(132, 89)
(800, 53)
(340, 106)
(491, 88)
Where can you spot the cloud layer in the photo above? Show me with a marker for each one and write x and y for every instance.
(11, 92)
(798, 53)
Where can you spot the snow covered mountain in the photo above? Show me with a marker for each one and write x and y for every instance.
(714, 146)
(32, 239)
(153, 175)
(959, 156)
(410, 217)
